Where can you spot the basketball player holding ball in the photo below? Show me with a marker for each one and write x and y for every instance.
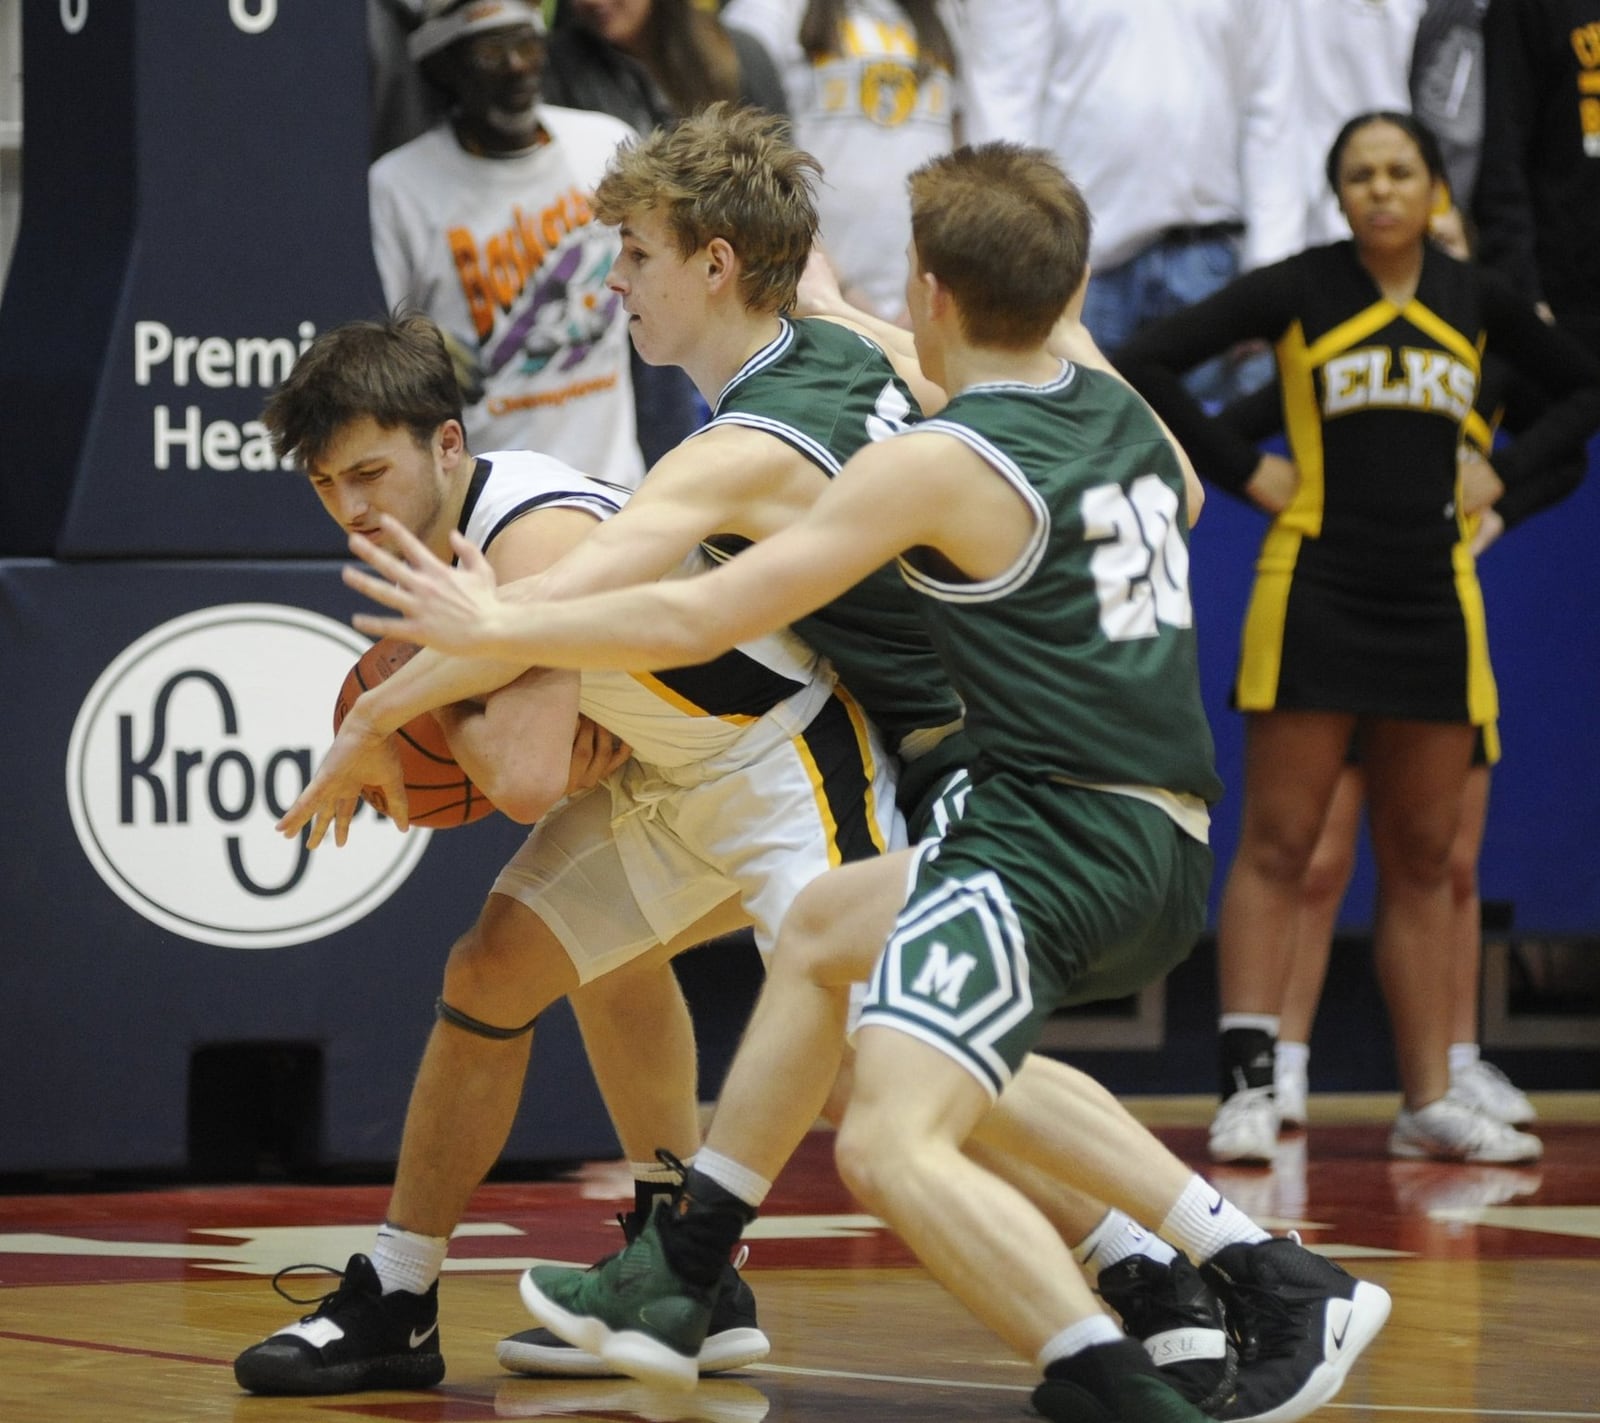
(753, 775)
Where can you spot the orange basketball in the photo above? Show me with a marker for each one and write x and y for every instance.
(439, 794)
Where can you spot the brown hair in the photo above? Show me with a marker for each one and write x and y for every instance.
(397, 371)
(1007, 232)
(689, 54)
(822, 32)
(730, 173)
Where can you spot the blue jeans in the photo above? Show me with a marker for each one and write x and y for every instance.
(1166, 277)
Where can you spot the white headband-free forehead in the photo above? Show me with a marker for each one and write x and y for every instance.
(445, 30)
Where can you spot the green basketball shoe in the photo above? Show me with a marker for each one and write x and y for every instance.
(633, 1311)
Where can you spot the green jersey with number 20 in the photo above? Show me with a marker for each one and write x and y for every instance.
(1078, 662)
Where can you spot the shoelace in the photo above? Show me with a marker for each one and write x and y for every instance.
(322, 1302)
(1260, 1322)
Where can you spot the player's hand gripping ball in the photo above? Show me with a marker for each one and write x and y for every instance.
(439, 793)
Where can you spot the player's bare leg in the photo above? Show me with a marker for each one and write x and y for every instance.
(503, 973)
(639, 1039)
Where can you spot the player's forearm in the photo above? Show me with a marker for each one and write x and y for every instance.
(428, 681)
(633, 629)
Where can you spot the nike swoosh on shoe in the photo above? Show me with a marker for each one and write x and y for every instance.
(418, 1340)
(1340, 1313)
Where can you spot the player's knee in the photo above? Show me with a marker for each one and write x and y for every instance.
(861, 1154)
(814, 943)
(833, 1110)
(499, 976)
(875, 1145)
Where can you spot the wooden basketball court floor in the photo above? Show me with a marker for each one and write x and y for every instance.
(130, 1305)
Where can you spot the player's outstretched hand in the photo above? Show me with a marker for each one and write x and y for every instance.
(359, 757)
(452, 609)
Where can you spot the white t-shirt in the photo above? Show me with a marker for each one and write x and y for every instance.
(1352, 56)
(865, 117)
(505, 255)
(1166, 113)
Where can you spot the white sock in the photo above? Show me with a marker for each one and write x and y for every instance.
(737, 1180)
(1116, 1237)
(1203, 1221)
(1075, 1338)
(405, 1260)
(1462, 1056)
(1262, 1022)
(1291, 1057)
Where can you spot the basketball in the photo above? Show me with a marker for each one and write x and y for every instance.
(438, 792)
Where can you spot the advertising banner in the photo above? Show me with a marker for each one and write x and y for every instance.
(159, 718)
(193, 212)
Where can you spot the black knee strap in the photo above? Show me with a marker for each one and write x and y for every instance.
(467, 1023)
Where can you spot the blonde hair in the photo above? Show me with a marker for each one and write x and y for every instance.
(731, 173)
(1007, 232)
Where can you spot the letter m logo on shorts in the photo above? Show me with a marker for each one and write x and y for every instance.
(955, 966)
(943, 977)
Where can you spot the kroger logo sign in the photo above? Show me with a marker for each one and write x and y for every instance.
(188, 748)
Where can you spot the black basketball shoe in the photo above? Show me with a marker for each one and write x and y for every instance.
(1299, 1322)
(357, 1338)
(1175, 1314)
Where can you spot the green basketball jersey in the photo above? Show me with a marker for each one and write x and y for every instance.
(1079, 661)
(825, 390)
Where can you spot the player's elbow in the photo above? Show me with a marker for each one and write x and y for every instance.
(525, 791)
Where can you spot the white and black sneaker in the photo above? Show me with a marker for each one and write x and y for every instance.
(357, 1338)
(733, 1338)
(1299, 1322)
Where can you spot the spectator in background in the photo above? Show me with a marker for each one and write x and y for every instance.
(1365, 612)
(1446, 85)
(1537, 202)
(1171, 116)
(483, 223)
(687, 58)
(1447, 88)
(1332, 861)
(403, 105)
(871, 87)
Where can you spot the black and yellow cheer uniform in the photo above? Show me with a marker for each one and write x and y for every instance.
(1366, 599)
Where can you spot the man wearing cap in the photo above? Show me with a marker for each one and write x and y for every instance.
(483, 223)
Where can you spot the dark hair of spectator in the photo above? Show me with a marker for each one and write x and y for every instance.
(1409, 124)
